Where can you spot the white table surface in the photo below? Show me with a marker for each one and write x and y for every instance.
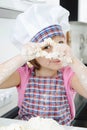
(5, 121)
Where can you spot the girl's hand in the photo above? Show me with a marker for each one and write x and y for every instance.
(60, 51)
(63, 53)
(33, 50)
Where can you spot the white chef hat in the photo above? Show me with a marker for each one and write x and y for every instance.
(39, 17)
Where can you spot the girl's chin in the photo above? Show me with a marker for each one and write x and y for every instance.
(57, 66)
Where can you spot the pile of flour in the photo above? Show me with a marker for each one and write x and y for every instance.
(35, 123)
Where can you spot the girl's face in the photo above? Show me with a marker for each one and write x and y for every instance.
(52, 64)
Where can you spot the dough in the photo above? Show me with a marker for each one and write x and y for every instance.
(35, 123)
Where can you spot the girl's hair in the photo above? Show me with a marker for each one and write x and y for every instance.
(35, 64)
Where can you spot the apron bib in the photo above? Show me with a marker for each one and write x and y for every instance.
(46, 97)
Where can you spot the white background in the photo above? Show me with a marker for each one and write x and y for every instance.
(8, 97)
(7, 49)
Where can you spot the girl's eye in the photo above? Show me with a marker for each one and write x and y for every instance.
(46, 47)
(61, 42)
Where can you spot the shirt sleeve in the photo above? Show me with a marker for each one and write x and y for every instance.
(24, 73)
(68, 74)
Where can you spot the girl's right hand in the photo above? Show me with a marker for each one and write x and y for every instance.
(33, 50)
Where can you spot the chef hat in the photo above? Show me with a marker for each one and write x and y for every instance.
(38, 18)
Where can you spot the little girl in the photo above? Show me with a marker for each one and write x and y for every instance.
(47, 88)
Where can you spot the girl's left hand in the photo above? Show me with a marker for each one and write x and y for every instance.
(62, 52)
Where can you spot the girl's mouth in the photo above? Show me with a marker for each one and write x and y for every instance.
(56, 61)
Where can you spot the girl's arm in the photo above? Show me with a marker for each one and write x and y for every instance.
(12, 81)
(8, 75)
(79, 81)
